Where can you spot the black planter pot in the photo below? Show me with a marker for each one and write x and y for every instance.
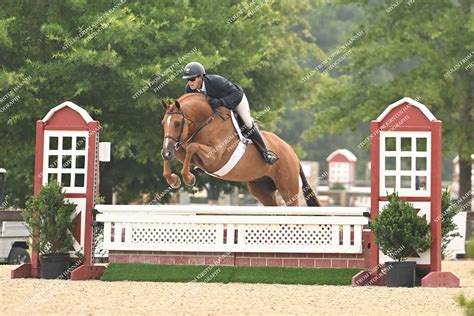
(54, 266)
(400, 274)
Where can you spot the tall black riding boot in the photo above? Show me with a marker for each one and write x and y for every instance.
(254, 134)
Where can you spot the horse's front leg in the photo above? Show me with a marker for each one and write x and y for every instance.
(173, 180)
(188, 178)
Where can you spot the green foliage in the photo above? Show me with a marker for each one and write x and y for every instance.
(399, 231)
(5, 40)
(134, 46)
(408, 48)
(466, 304)
(49, 219)
(331, 25)
(99, 200)
(337, 186)
(470, 248)
(448, 227)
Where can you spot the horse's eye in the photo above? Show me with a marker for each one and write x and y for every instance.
(177, 124)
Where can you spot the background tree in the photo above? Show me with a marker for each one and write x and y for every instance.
(117, 59)
(409, 48)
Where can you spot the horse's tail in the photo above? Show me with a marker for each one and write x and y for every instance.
(308, 193)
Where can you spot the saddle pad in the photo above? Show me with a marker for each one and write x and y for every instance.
(236, 155)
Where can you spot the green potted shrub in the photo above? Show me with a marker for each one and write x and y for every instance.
(49, 219)
(337, 186)
(449, 209)
(400, 233)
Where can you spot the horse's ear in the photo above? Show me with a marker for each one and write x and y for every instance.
(164, 104)
(177, 105)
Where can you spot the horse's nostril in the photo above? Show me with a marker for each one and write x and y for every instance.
(166, 155)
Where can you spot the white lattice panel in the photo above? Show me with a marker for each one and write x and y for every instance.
(174, 234)
(288, 235)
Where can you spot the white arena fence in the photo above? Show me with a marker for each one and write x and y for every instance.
(232, 228)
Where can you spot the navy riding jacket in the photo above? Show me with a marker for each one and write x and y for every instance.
(218, 87)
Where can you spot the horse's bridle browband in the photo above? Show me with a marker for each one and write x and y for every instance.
(178, 143)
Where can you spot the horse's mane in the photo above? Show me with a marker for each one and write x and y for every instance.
(187, 96)
(195, 102)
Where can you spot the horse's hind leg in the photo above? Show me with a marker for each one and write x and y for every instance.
(289, 188)
(289, 194)
(264, 191)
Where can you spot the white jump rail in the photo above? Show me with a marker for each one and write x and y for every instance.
(232, 228)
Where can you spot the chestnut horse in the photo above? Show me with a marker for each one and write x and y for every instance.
(193, 133)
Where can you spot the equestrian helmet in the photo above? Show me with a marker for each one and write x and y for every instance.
(193, 69)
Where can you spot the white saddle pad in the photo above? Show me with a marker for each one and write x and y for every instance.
(236, 155)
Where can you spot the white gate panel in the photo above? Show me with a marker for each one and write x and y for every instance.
(155, 231)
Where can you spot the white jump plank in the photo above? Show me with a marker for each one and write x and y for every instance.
(232, 210)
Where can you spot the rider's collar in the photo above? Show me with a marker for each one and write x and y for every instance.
(203, 88)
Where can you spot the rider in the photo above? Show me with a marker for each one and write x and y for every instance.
(222, 92)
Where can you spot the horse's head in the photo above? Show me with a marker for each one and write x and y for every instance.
(175, 128)
(180, 119)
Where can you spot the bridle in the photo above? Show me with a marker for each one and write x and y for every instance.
(176, 139)
(178, 144)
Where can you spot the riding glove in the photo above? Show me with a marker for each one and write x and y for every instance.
(215, 103)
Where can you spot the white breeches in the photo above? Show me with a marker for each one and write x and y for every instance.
(243, 110)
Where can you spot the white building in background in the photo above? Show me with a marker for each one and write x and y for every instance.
(342, 168)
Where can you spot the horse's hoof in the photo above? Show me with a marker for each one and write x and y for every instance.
(176, 183)
(192, 182)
